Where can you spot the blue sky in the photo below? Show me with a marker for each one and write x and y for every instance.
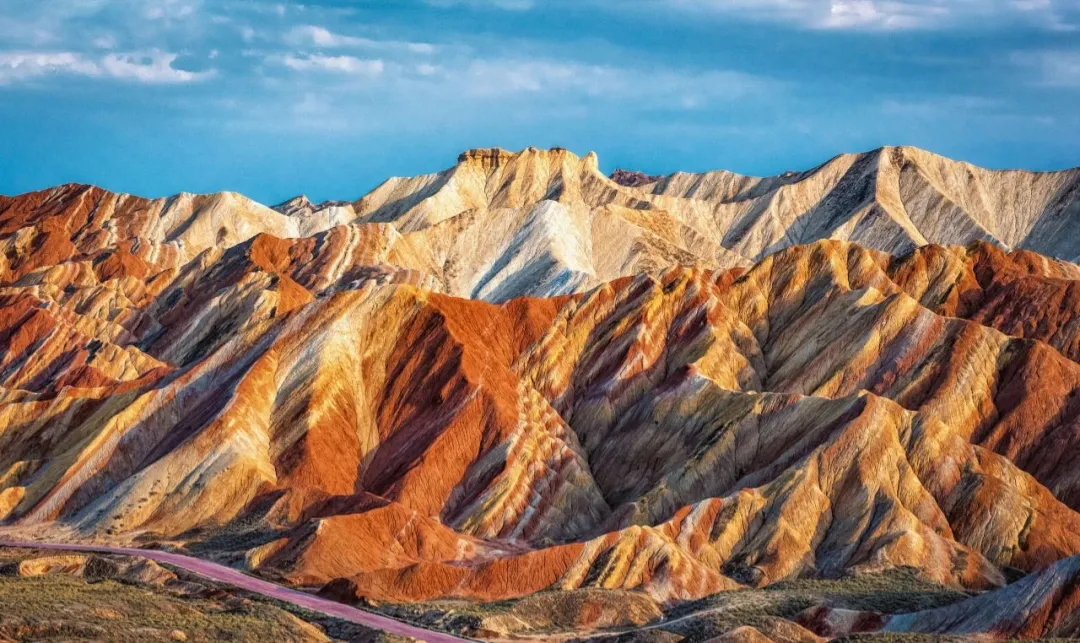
(329, 97)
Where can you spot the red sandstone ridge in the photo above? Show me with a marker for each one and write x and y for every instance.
(328, 409)
(680, 434)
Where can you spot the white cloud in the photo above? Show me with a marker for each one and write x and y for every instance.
(107, 41)
(328, 92)
(420, 47)
(885, 15)
(153, 67)
(339, 64)
(15, 66)
(1054, 15)
(856, 14)
(642, 87)
(170, 9)
(323, 38)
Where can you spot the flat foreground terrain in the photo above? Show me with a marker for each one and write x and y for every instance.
(64, 595)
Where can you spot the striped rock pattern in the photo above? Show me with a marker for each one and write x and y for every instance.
(690, 402)
(500, 225)
(680, 434)
(1043, 605)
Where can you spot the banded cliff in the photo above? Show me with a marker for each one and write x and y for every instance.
(679, 434)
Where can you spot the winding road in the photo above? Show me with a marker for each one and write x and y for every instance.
(230, 576)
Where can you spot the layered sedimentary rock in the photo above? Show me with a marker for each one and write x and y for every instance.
(1044, 605)
(499, 225)
(355, 396)
(680, 434)
(894, 199)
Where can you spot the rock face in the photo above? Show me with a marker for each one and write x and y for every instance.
(1045, 605)
(696, 403)
(632, 179)
(64, 564)
(500, 225)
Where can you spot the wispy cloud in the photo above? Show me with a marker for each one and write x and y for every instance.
(939, 107)
(888, 15)
(66, 36)
(154, 67)
(151, 67)
(640, 87)
(856, 14)
(1051, 68)
(321, 37)
(22, 66)
(389, 92)
(985, 114)
(871, 14)
(170, 9)
(337, 64)
(104, 41)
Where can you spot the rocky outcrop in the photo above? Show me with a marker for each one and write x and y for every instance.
(93, 568)
(633, 179)
(73, 564)
(1044, 605)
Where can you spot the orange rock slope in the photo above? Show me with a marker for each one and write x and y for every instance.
(314, 407)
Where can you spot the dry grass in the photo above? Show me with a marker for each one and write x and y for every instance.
(552, 612)
(769, 610)
(69, 607)
(64, 606)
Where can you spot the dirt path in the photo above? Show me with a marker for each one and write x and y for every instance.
(230, 576)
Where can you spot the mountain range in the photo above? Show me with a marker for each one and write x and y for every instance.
(520, 375)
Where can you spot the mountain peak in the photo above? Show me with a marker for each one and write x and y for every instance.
(495, 157)
(485, 157)
(295, 205)
(302, 207)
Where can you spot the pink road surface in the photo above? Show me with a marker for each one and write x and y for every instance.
(230, 576)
